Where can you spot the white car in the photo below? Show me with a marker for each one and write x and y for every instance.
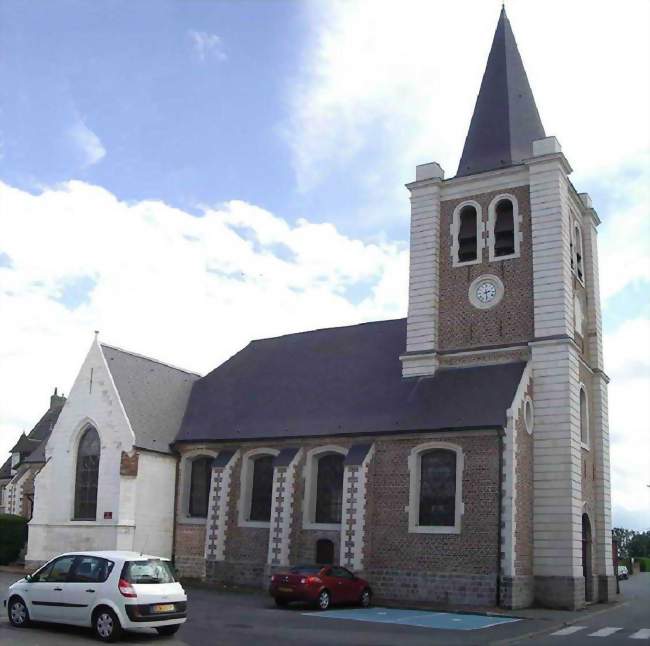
(109, 591)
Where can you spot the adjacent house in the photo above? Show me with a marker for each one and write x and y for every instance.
(109, 475)
(27, 458)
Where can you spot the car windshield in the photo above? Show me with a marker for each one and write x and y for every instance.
(305, 569)
(148, 571)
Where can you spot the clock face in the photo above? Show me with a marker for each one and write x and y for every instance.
(486, 291)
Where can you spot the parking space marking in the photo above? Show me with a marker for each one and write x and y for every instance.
(417, 618)
(644, 633)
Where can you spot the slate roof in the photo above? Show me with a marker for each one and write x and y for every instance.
(33, 444)
(5, 470)
(24, 445)
(153, 393)
(505, 120)
(341, 381)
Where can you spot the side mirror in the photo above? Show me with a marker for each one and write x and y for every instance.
(28, 578)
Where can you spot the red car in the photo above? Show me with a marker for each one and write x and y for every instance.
(320, 586)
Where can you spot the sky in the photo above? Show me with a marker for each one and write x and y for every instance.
(188, 175)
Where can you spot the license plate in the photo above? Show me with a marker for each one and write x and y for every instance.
(285, 589)
(164, 607)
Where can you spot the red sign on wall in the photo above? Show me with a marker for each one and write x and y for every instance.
(108, 515)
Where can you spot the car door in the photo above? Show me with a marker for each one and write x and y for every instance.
(87, 575)
(345, 585)
(47, 589)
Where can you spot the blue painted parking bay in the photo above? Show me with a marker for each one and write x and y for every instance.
(419, 618)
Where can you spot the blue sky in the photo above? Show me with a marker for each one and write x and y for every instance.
(170, 169)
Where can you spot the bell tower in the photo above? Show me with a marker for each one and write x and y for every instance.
(504, 268)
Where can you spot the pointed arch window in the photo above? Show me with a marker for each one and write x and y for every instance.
(87, 475)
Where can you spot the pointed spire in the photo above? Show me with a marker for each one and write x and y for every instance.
(505, 120)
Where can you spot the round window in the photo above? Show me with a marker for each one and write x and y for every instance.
(529, 415)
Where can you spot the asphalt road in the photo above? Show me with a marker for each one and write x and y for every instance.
(625, 624)
(229, 618)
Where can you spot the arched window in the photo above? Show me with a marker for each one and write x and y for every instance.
(200, 477)
(467, 234)
(584, 417)
(437, 488)
(324, 552)
(504, 229)
(435, 497)
(87, 475)
(329, 488)
(577, 252)
(504, 237)
(262, 488)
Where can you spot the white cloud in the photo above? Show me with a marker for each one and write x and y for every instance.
(207, 45)
(87, 142)
(405, 75)
(628, 364)
(189, 290)
(624, 246)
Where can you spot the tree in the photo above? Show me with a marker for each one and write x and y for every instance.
(623, 538)
(640, 544)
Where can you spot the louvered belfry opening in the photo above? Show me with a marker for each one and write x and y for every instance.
(467, 247)
(504, 229)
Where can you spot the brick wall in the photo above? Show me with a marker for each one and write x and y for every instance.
(455, 568)
(189, 550)
(461, 325)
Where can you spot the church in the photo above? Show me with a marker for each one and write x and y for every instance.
(460, 455)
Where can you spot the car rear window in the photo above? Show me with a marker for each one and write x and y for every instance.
(148, 571)
(305, 569)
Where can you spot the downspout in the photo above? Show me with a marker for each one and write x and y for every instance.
(501, 433)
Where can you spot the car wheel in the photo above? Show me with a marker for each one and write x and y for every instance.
(324, 599)
(106, 625)
(366, 598)
(18, 613)
(168, 631)
(281, 603)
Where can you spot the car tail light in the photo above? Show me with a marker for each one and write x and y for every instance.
(273, 578)
(126, 589)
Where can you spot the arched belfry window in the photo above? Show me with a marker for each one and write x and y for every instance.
(577, 252)
(467, 235)
(503, 227)
(329, 488)
(87, 475)
(200, 477)
(584, 417)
